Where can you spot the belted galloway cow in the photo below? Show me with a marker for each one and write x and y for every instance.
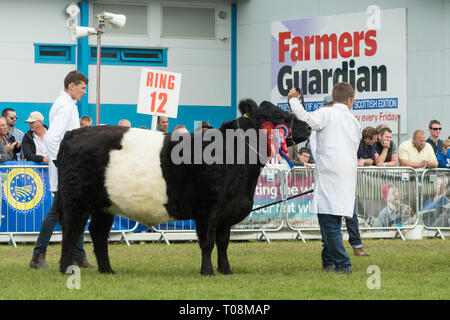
(148, 177)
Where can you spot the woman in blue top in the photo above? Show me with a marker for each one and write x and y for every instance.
(443, 155)
(436, 211)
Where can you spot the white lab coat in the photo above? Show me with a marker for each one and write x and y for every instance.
(63, 117)
(336, 143)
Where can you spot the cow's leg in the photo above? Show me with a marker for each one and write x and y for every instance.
(222, 240)
(72, 224)
(206, 237)
(99, 229)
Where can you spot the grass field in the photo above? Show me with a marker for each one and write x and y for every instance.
(281, 270)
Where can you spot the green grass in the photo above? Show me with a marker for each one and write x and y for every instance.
(281, 270)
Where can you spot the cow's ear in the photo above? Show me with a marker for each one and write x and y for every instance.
(247, 106)
(267, 105)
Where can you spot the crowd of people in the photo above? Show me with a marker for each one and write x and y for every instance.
(377, 148)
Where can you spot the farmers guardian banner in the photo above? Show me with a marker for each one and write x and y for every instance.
(368, 50)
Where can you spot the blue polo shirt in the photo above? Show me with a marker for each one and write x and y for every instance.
(435, 147)
(365, 151)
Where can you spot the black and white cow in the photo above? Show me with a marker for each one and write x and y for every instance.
(111, 170)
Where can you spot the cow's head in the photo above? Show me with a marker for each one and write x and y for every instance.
(267, 115)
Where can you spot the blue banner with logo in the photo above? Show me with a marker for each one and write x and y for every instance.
(26, 198)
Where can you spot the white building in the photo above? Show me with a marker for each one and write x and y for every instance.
(222, 48)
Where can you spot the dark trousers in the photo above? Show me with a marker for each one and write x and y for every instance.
(354, 237)
(46, 231)
(334, 256)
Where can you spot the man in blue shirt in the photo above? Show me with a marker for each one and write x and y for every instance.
(435, 129)
(366, 150)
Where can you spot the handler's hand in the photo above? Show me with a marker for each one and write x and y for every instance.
(292, 93)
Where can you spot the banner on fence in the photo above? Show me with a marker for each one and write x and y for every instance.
(26, 198)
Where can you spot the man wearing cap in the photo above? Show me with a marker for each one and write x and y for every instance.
(203, 125)
(33, 142)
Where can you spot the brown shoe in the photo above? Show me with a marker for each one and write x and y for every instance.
(83, 263)
(359, 252)
(38, 262)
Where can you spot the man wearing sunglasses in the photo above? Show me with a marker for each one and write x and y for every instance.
(435, 132)
(11, 118)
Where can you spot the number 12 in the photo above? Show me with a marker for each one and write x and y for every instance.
(161, 96)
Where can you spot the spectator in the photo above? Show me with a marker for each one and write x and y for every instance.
(163, 124)
(303, 158)
(85, 121)
(124, 123)
(443, 155)
(11, 146)
(366, 150)
(395, 213)
(417, 153)
(203, 125)
(180, 128)
(34, 148)
(3, 154)
(434, 128)
(63, 118)
(385, 150)
(11, 118)
(436, 211)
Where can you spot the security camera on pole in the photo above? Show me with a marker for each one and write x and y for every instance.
(117, 21)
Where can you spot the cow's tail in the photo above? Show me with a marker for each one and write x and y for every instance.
(63, 147)
(61, 159)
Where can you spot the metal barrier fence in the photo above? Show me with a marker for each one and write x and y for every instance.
(434, 201)
(386, 199)
(270, 188)
(26, 199)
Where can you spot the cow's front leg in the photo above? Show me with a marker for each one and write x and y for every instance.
(206, 237)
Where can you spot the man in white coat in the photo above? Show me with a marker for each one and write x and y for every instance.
(337, 139)
(63, 117)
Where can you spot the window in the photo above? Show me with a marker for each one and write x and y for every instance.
(54, 53)
(136, 14)
(130, 56)
(188, 22)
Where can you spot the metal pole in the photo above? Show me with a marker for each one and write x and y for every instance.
(154, 122)
(101, 24)
(399, 132)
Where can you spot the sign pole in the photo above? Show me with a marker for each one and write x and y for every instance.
(154, 122)
(101, 24)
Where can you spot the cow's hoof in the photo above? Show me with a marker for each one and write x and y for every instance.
(106, 271)
(207, 274)
(65, 269)
(226, 271)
